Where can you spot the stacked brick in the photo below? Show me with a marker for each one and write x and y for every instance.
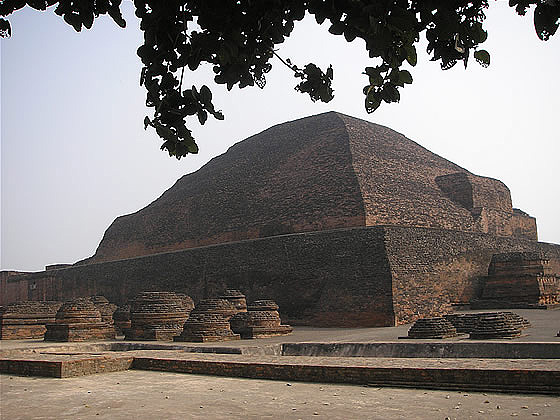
(209, 321)
(261, 320)
(466, 323)
(156, 316)
(187, 302)
(521, 278)
(236, 298)
(24, 320)
(121, 319)
(105, 308)
(463, 323)
(517, 320)
(432, 328)
(496, 325)
(78, 320)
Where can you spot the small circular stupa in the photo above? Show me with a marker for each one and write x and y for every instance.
(156, 316)
(432, 328)
(495, 325)
(78, 320)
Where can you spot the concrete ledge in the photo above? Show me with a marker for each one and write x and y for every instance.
(65, 368)
(526, 381)
(478, 350)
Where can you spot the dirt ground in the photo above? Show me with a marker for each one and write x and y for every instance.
(161, 395)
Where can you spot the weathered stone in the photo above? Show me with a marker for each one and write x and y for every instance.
(221, 307)
(432, 328)
(466, 323)
(463, 323)
(187, 302)
(156, 316)
(105, 308)
(78, 320)
(261, 320)
(121, 319)
(342, 222)
(323, 172)
(521, 278)
(209, 321)
(206, 326)
(495, 325)
(24, 320)
(236, 298)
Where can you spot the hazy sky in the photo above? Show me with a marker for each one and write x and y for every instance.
(75, 155)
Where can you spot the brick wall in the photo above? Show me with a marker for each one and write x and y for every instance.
(334, 278)
(347, 277)
(318, 173)
(523, 225)
(432, 268)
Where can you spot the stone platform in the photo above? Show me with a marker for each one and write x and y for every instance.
(511, 375)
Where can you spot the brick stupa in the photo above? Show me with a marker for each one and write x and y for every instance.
(323, 172)
(209, 321)
(260, 321)
(79, 320)
(24, 320)
(156, 316)
(342, 222)
(525, 279)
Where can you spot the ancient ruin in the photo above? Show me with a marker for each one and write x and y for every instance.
(156, 316)
(209, 321)
(236, 298)
(521, 279)
(186, 301)
(78, 320)
(495, 325)
(26, 319)
(121, 319)
(261, 320)
(463, 323)
(206, 326)
(432, 328)
(342, 222)
(105, 308)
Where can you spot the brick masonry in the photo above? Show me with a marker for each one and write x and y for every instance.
(342, 222)
(372, 276)
(318, 173)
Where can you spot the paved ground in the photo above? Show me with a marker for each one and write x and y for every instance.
(137, 394)
(545, 326)
(142, 394)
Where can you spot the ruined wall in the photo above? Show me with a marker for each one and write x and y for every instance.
(334, 278)
(523, 225)
(432, 268)
(11, 289)
(295, 177)
(488, 200)
(348, 277)
(317, 173)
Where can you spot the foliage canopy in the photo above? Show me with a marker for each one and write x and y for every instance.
(238, 39)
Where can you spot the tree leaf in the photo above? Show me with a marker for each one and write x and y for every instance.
(205, 95)
(411, 56)
(405, 76)
(482, 57)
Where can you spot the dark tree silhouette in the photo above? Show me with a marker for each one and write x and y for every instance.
(238, 38)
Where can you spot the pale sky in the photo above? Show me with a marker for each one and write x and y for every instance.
(75, 155)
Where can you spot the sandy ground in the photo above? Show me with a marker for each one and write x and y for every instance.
(157, 395)
(151, 395)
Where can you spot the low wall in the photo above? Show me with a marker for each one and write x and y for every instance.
(332, 278)
(477, 350)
